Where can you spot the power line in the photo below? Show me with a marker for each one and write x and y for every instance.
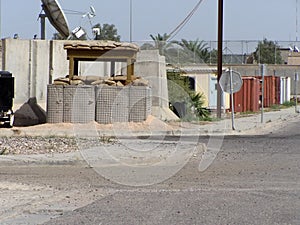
(184, 22)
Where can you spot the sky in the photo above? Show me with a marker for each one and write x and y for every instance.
(243, 20)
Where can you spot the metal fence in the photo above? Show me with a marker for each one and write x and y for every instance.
(234, 52)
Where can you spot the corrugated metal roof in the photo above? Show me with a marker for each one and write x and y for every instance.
(194, 69)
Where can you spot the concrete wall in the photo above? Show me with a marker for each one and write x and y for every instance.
(152, 67)
(272, 70)
(34, 64)
(58, 63)
(28, 61)
(293, 58)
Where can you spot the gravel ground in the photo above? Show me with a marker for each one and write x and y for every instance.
(36, 145)
(49, 138)
(31, 145)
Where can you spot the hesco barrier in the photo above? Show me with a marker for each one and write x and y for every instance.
(79, 104)
(103, 104)
(140, 103)
(55, 107)
(111, 104)
(122, 104)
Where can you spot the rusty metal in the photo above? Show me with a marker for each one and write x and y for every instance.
(271, 90)
(247, 99)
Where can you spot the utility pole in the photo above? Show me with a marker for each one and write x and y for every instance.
(220, 57)
(296, 21)
(0, 19)
(130, 22)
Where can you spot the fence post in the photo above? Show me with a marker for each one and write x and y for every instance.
(296, 92)
(262, 71)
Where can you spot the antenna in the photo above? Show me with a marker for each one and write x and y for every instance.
(79, 32)
(90, 14)
(93, 11)
(56, 17)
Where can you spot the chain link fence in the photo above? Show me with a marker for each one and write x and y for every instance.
(234, 52)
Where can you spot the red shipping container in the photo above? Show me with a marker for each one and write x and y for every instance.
(247, 99)
(271, 90)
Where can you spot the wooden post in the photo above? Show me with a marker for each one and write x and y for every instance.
(220, 57)
(71, 68)
(130, 69)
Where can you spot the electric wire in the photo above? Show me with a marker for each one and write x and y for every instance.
(74, 12)
(174, 32)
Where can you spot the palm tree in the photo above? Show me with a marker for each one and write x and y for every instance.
(160, 42)
(197, 100)
(198, 49)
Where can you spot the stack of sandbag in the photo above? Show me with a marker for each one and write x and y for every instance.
(119, 80)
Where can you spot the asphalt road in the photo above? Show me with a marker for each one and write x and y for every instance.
(253, 180)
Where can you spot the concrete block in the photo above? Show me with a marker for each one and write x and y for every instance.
(29, 114)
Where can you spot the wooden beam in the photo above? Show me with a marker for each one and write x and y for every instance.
(130, 70)
(71, 68)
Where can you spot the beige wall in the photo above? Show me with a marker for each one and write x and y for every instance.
(202, 85)
(34, 64)
(294, 58)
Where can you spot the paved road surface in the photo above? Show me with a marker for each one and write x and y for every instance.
(254, 180)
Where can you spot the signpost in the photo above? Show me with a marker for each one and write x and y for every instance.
(231, 82)
(296, 92)
(263, 71)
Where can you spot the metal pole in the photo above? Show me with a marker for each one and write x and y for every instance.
(130, 25)
(296, 21)
(220, 57)
(262, 68)
(0, 19)
(232, 100)
(43, 26)
(296, 92)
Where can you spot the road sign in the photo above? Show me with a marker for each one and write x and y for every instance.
(228, 86)
(231, 82)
